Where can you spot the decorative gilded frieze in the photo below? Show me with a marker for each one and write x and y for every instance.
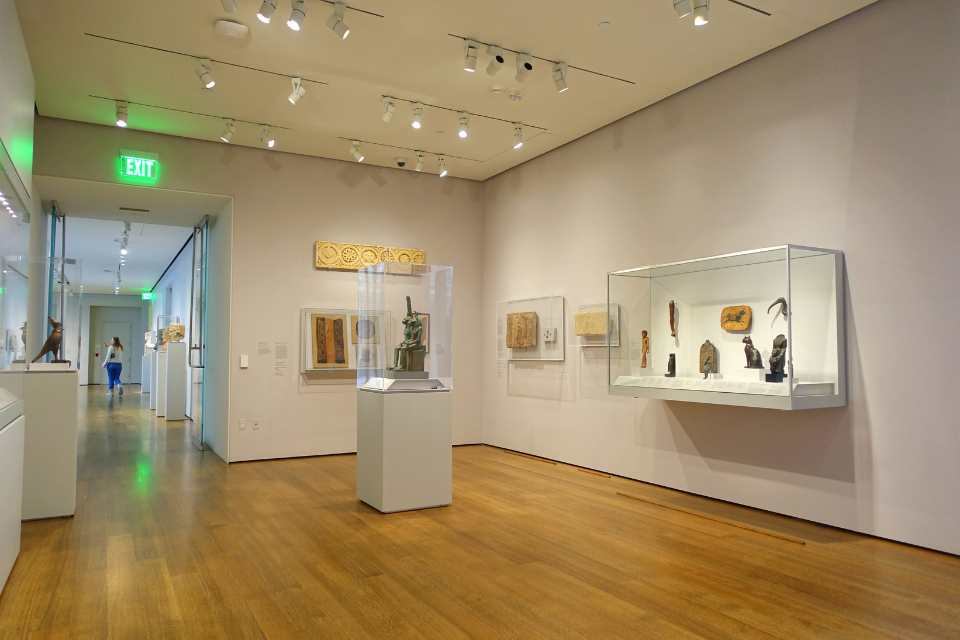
(345, 256)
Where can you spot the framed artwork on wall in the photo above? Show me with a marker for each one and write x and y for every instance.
(328, 341)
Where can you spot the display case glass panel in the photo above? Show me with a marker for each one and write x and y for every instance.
(14, 272)
(401, 349)
(63, 280)
(720, 319)
(531, 329)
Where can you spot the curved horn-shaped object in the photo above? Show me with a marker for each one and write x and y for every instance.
(783, 306)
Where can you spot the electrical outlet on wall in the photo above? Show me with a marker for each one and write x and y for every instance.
(243, 423)
(256, 423)
(550, 335)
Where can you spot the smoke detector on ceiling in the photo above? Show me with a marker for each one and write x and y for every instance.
(516, 94)
(230, 29)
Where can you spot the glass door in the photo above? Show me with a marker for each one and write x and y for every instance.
(197, 338)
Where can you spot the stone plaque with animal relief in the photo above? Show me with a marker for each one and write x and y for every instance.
(736, 318)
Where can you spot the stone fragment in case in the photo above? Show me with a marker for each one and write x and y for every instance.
(590, 323)
(736, 318)
(521, 330)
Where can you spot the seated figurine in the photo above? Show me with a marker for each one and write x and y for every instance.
(410, 354)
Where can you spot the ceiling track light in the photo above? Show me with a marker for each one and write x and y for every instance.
(265, 136)
(517, 135)
(229, 131)
(121, 113)
(524, 66)
(389, 108)
(700, 10)
(417, 115)
(464, 124)
(266, 11)
(298, 90)
(560, 76)
(335, 21)
(442, 165)
(419, 166)
(297, 15)
(470, 51)
(497, 62)
(203, 72)
(683, 8)
(355, 151)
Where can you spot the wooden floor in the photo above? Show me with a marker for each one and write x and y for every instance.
(171, 543)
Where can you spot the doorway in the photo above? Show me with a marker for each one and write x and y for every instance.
(123, 331)
(107, 321)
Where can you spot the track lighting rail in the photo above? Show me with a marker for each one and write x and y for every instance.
(369, 13)
(469, 113)
(394, 146)
(746, 6)
(596, 73)
(197, 57)
(193, 113)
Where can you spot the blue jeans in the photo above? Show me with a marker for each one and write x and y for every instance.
(113, 373)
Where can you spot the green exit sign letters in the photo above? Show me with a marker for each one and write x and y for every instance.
(139, 164)
(148, 295)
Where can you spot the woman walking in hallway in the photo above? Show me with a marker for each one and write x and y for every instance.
(112, 362)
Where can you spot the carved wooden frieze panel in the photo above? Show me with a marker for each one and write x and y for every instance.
(345, 256)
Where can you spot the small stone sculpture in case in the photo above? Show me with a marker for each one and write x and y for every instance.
(777, 358)
(672, 366)
(754, 359)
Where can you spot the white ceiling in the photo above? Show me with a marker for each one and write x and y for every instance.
(150, 248)
(408, 54)
(161, 222)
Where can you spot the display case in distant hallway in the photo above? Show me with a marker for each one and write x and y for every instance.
(761, 328)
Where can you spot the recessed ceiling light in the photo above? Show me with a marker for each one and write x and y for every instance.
(516, 95)
(604, 25)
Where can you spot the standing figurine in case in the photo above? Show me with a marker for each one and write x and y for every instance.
(777, 358)
(672, 366)
(644, 348)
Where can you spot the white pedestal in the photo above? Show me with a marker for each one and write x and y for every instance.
(404, 449)
(160, 393)
(11, 480)
(154, 363)
(146, 371)
(175, 398)
(50, 443)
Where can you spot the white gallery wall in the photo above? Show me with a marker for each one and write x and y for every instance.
(171, 297)
(841, 139)
(17, 90)
(283, 203)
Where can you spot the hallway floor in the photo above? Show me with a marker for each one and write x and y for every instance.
(171, 543)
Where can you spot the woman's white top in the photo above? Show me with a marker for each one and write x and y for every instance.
(113, 355)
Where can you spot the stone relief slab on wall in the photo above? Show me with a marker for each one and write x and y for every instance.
(345, 256)
(521, 330)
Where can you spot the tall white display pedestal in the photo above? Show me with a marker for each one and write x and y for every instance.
(160, 393)
(146, 369)
(154, 363)
(50, 443)
(404, 449)
(175, 397)
(11, 480)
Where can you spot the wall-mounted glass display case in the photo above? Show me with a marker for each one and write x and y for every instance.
(403, 333)
(531, 329)
(337, 340)
(761, 328)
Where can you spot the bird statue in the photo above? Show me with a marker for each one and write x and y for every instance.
(23, 334)
(52, 345)
(783, 306)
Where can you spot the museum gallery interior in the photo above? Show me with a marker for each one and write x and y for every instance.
(432, 319)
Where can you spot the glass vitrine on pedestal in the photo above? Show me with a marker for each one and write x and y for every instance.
(745, 313)
(404, 333)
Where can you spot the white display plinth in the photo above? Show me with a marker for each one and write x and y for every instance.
(175, 396)
(146, 369)
(160, 394)
(50, 441)
(11, 480)
(154, 364)
(404, 449)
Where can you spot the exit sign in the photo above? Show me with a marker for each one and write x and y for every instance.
(148, 295)
(139, 164)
